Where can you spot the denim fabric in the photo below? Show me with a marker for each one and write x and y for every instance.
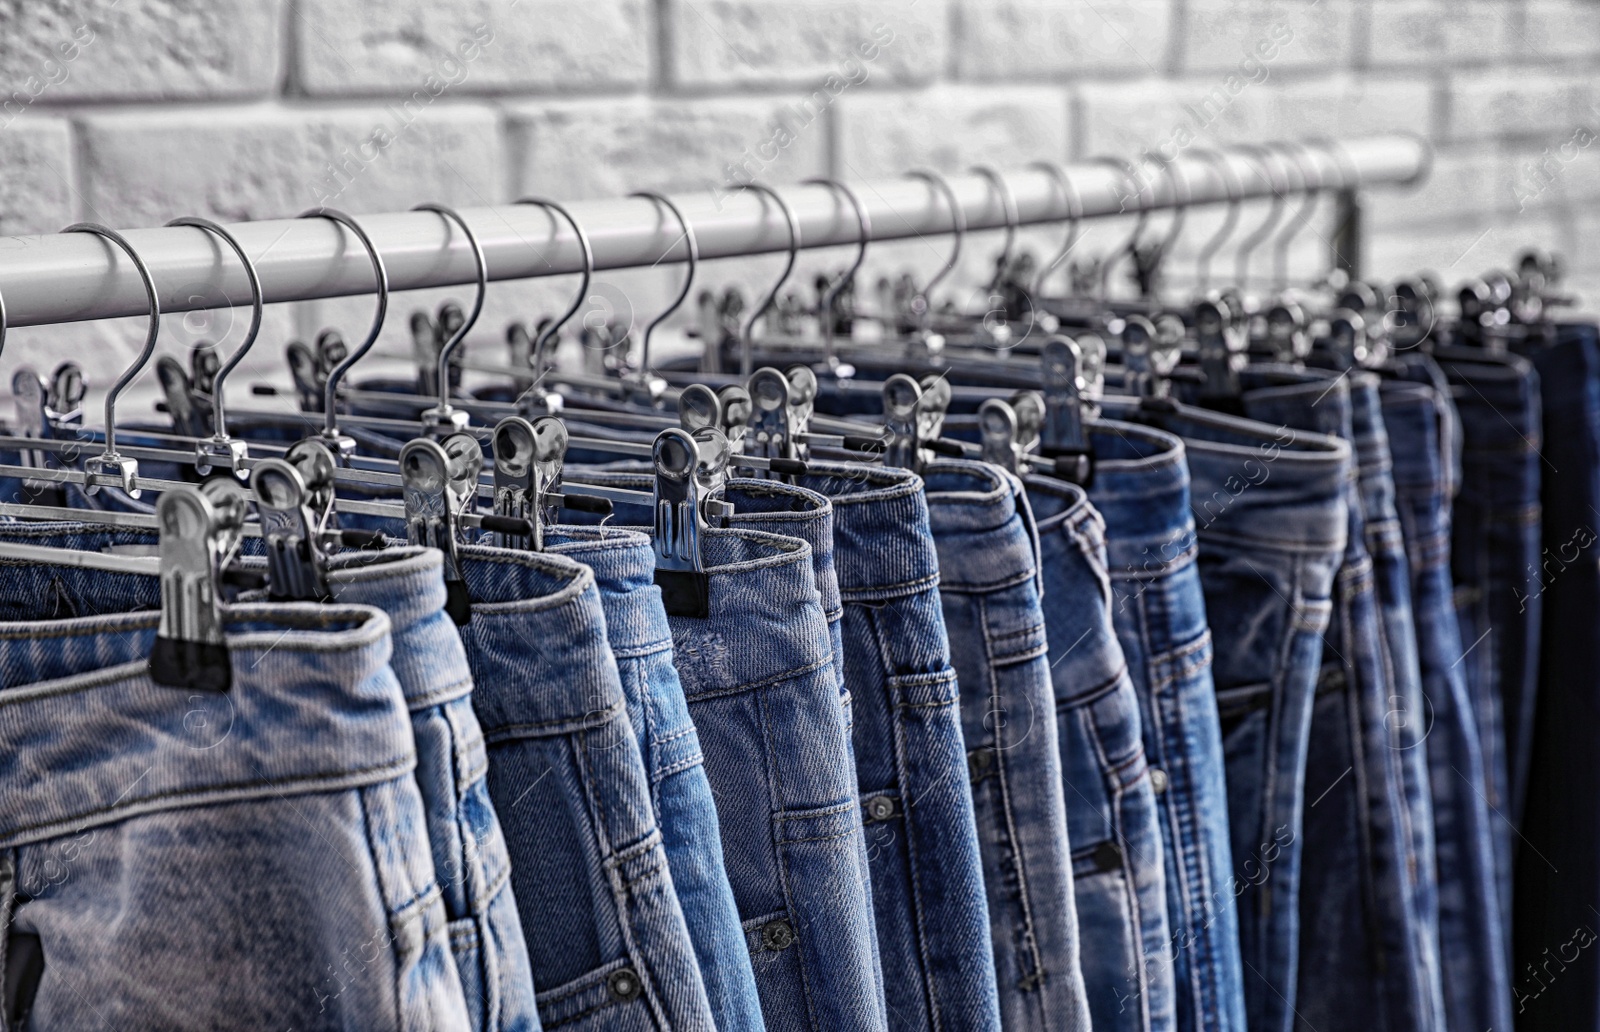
(1494, 560)
(179, 859)
(469, 851)
(1366, 953)
(1141, 488)
(607, 938)
(989, 588)
(1473, 949)
(758, 674)
(680, 793)
(1112, 822)
(1556, 969)
(1269, 509)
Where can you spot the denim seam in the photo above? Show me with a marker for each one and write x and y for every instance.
(642, 651)
(780, 853)
(671, 736)
(1179, 663)
(588, 722)
(1094, 694)
(991, 586)
(887, 592)
(750, 686)
(1168, 567)
(364, 777)
(440, 696)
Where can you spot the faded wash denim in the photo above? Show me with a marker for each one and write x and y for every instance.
(989, 588)
(1112, 822)
(144, 825)
(608, 941)
(623, 563)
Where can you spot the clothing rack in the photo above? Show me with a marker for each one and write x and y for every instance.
(69, 277)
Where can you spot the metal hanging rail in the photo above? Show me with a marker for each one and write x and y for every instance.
(77, 276)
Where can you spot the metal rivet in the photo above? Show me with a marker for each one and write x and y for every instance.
(880, 808)
(1108, 856)
(979, 763)
(1158, 780)
(777, 935)
(624, 984)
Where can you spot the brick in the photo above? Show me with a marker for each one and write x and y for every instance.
(1458, 251)
(1219, 34)
(1461, 185)
(66, 50)
(1554, 29)
(1342, 105)
(804, 42)
(355, 46)
(1425, 33)
(141, 169)
(1524, 102)
(1560, 174)
(605, 148)
(36, 191)
(949, 129)
(1011, 39)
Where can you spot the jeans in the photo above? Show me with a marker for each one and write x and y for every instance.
(1112, 822)
(1269, 509)
(1368, 949)
(1557, 965)
(1494, 560)
(989, 588)
(623, 563)
(145, 825)
(1473, 948)
(469, 850)
(608, 941)
(758, 674)
(1141, 487)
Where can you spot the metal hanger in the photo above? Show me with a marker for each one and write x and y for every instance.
(536, 396)
(688, 501)
(1241, 255)
(1230, 184)
(747, 338)
(826, 301)
(692, 252)
(220, 449)
(343, 447)
(1297, 221)
(1148, 261)
(922, 301)
(1145, 204)
(1008, 207)
(1074, 200)
(444, 419)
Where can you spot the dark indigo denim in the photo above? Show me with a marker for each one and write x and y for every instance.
(1474, 953)
(1269, 509)
(607, 938)
(680, 793)
(469, 850)
(758, 674)
(1367, 954)
(1112, 822)
(1556, 969)
(1141, 488)
(989, 588)
(186, 859)
(1494, 560)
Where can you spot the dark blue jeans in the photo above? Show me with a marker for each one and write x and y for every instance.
(989, 589)
(1112, 821)
(1556, 980)
(1270, 510)
(1141, 487)
(1472, 943)
(1494, 560)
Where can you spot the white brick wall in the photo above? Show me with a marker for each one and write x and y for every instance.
(134, 111)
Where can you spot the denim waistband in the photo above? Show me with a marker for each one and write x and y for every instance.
(1413, 414)
(778, 508)
(1313, 400)
(1369, 434)
(624, 567)
(1500, 394)
(980, 501)
(880, 523)
(90, 739)
(1064, 511)
(1258, 472)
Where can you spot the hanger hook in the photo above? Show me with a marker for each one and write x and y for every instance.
(1348, 174)
(1230, 184)
(442, 413)
(380, 275)
(693, 246)
(220, 434)
(110, 457)
(863, 238)
(1176, 179)
(1008, 202)
(746, 356)
(582, 295)
(958, 225)
(1297, 221)
(1241, 255)
(1146, 202)
(1069, 190)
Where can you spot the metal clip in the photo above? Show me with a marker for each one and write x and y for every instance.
(67, 390)
(1150, 358)
(737, 411)
(1287, 342)
(308, 382)
(528, 459)
(200, 533)
(997, 422)
(769, 436)
(1030, 410)
(179, 396)
(698, 406)
(1222, 352)
(901, 395)
(802, 403)
(1062, 435)
(33, 411)
(680, 520)
(1347, 340)
(932, 408)
(430, 480)
(294, 496)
